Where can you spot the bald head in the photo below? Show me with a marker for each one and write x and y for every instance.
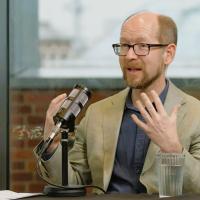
(165, 26)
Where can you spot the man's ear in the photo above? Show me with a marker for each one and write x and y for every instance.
(169, 54)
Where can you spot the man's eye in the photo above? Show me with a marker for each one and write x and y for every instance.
(142, 45)
(125, 46)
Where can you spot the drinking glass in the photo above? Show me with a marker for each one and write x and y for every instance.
(170, 176)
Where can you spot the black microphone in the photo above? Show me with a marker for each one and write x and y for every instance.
(72, 106)
(66, 115)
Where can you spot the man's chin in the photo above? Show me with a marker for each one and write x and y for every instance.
(135, 85)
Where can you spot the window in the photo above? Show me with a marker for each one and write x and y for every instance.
(70, 41)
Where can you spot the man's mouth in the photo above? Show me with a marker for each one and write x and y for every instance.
(133, 70)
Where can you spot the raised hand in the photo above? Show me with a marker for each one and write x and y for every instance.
(159, 126)
(49, 123)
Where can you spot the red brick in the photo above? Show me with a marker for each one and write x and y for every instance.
(36, 187)
(17, 165)
(33, 143)
(18, 143)
(38, 98)
(41, 109)
(18, 187)
(21, 176)
(22, 154)
(16, 119)
(22, 109)
(17, 97)
(35, 120)
(31, 165)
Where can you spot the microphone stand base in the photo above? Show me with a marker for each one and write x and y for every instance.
(65, 191)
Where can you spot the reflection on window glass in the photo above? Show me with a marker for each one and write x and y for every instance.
(85, 30)
(78, 34)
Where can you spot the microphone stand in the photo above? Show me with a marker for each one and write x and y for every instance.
(65, 190)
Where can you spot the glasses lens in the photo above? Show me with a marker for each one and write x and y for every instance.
(124, 49)
(141, 49)
(121, 49)
(116, 48)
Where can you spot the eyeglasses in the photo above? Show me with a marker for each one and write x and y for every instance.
(140, 49)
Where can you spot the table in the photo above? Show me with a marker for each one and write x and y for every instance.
(118, 197)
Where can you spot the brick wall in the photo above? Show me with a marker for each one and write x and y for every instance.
(28, 108)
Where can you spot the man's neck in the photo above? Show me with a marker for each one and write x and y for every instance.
(157, 87)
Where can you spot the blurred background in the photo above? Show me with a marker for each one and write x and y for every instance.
(48, 46)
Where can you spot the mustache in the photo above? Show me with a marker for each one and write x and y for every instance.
(135, 65)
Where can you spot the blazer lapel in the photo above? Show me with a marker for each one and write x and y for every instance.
(111, 126)
(173, 98)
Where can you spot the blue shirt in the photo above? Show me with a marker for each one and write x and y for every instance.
(131, 151)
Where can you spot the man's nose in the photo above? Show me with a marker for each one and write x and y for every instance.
(131, 54)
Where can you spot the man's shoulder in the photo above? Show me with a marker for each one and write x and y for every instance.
(190, 100)
(188, 97)
(119, 97)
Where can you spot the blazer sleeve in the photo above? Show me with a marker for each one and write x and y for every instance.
(192, 165)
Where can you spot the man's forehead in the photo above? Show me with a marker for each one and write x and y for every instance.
(142, 23)
(134, 39)
(142, 19)
(144, 14)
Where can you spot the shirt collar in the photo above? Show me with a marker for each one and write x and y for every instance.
(163, 94)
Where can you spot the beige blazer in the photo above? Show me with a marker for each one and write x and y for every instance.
(93, 154)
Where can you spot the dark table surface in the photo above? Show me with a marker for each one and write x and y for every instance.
(119, 196)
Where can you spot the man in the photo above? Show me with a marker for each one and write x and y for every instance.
(117, 141)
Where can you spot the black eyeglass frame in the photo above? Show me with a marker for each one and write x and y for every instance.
(133, 45)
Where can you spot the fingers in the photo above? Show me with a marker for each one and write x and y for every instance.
(143, 111)
(139, 122)
(59, 98)
(148, 105)
(158, 103)
(52, 110)
(55, 104)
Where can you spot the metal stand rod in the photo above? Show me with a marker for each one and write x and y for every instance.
(64, 144)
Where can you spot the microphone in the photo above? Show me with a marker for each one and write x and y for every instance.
(72, 106)
(66, 115)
